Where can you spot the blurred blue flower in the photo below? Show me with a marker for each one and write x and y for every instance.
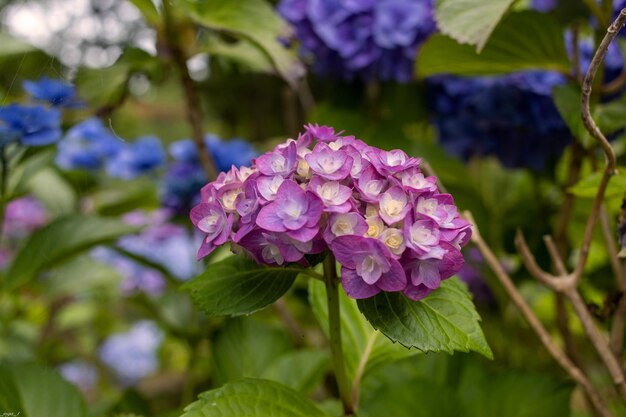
(55, 92)
(87, 146)
(544, 5)
(133, 159)
(361, 38)
(185, 176)
(133, 355)
(80, 373)
(30, 125)
(511, 117)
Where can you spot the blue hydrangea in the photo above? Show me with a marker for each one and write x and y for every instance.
(55, 92)
(512, 117)
(30, 125)
(133, 355)
(361, 38)
(135, 158)
(544, 5)
(80, 373)
(185, 176)
(87, 146)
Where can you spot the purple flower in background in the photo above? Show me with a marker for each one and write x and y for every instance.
(132, 355)
(139, 157)
(386, 223)
(22, 217)
(361, 39)
(80, 373)
(29, 125)
(135, 277)
(55, 92)
(88, 145)
(544, 5)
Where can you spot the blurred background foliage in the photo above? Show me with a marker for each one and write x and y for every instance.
(91, 262)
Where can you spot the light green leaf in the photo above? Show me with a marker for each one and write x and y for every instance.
(567, 100)
(588, 186)
(245, 348)
(361, 342)
(523, 41)
(445, 321)
(237, 286)
(62, 239)
(470, 21)
(53, 191)
(252, 398)
(301, 370)
(31, 390)
(243, 52)
(254, 20)
(149, 11)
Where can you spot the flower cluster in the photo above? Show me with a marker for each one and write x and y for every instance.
(55, 92)
(361, 39)
(22, 217)
(512, 117)
(91, 146)
(385, 222)
(184, 176)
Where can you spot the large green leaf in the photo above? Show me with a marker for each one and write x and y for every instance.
(237, 286)
(64, 238)
(30, 390)
(523, 41)
(301, 370)
(588, 187)
(254, 20)
(446, 320)
(245, 347)
(53, 191)
(470, 21)
(361, 342)
(252, 398)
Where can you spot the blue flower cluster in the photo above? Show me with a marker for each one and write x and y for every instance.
(133, 355)
(55, 92)
(91, 146)
(185, 177)
(512, 117)
(361, 38)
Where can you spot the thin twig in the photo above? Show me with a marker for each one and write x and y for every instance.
(572, 370)
(611, 247)
(555, 255)
(617, 328)
(296, 332)
(593, 129)
(360, 371)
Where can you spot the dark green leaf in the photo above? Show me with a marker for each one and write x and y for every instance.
(254, 20)
(523, 41)
(361, 342)
(245, 348)
(301, 370)
(64, 238)
(237, 286)
(252, 398)
(446, 320)
(470, 21)
(31, 390)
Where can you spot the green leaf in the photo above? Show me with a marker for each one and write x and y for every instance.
(245, 347)
(252, 398)
(243, 52)
(64, 238)
(32, 391)
(567, 100)
(470, 21)
(311, 366)
(588, 186)
(361, 342)
(237, 286)
(446, 320)
(53, 191)
(523, 41)
(254, 20)
(149, 11)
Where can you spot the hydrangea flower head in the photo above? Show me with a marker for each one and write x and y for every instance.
(143, 155)
(385, 221)
(55, 92)
(88, 145)
(361, 39)
(31, 125)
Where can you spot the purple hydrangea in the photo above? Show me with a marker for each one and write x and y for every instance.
(133, 355)
(80, 373)
(184, 176)
(22, 217)
(386, 223)
(88, 145)
(30, 125)
(361, 39)
(55, 92)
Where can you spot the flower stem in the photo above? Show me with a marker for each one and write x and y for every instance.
(334, 331)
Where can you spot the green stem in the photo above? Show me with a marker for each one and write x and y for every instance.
(334, 331)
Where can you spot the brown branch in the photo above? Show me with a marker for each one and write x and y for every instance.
(617, 328)
(296, 332)
(555, 255)
(611, 247)
(572, 370)
(593, 129)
